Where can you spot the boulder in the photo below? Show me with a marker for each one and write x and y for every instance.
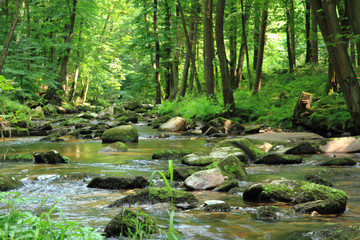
(225, 126)
(8, 182)
(276, 158)
(341, 161)
(174, 125)
(170, 154)
(181, 173)
(305, 196)
(244, 144)
(252, 129)
(128, 222)
(197, 160)
(211, 130)
(50, 157)
(341, 145)
(50, 109)
(231, 167)
(15, 132)
(124, 133)
(204, 180)
(335, 232)
(276, 213)
(115, 147)
(118, 182)
(302, 148)
(217, 207)
(226, 186)
(40, 129)
(156, 195)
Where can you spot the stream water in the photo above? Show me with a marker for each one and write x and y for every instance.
(88, 205)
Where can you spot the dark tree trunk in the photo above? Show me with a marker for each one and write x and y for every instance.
(288, 37)
(232, 45)
(157, 55)
(332, 85)
(244, 18)
(260, 57)
(257, 16)
(208, 49)
(219, 36)
(168, 74)
(9, 35)
(175, 65)
(308, 57)
(292, 32)
(314, 39)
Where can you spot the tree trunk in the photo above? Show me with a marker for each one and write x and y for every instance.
(185, 74)
(332, 86)
(1, 7)
(352, 51)
(219, 36)
(244, 18)
(292, 32)
(329, 24)
(208, 49)
(260, 57)
(314, 39)
(85, 90)
(9, 35)
(232, 45)
(288, 37)
(168, 74)
(175, 65)
(257, 15)
(74, 85)
(28, 34)
(308, 57)
(157, 55)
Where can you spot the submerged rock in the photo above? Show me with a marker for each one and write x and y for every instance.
(170, 154)
(174, 125)
(244, 144)
(342, 161)
(51, 157)
(156, 195)
(115, 147)
(276, 213)
(8, 182)
(217, 207)
(124, 133)
(276, 158)
(118, 182)
(345, 233)
(306, 196)
(128, 222)
(204, 180)
(302, 148)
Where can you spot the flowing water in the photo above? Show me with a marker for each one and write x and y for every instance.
(88, 205)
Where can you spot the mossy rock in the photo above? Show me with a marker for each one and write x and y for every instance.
(124, 133)
(221, 152)
(231, 166)
(156, 195)
(276, 158)
(244, 144)
(302, 148)
(197, 160)
(50, 157)
(342, 161)
(323, 199)
(118, 182)
(128, 222)
(16, 132)
(20, 158)
(8, 182)
(50, 109)
(322, 176)
(115, 147)
(227, 186)
(343, 233)
(218, 207)
(181, 173)
(37, 114)
(170, 154)
(276, 213)
(77, 122)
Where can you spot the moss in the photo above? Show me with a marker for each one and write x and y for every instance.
(8, 182)
(231, 166)
(348, 233)
(170, 154)
(275, 158)
(343, 161)
(197, 160)
(244, 144)
(124, 133)
(20, 158)
(219, 207)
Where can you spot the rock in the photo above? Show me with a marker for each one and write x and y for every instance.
(276, 213)
(9, 183)
(132, 105)
(302, 148)
(156, 195)
(50, 109)
(342, 161)
(226, 186)
(276, 158)
(51, 157)
(107, 113)
(342, 145)
(115, 147)
(181, 173)
(252, 129)
(265, 147)
(306, 196)
(170, 154)
(77, 122)
(225, 126)
(40, 129)
(118, 182)
(15, 132)
(331, 233)
(20, 158)
(221, 152)
(319, 180)
(285, 137)
(210, 131)
(217, 207)
(244, 144)
(37, 114)
(174, 125)
(231, 167)
(128, 222)
(124, 133)
(197, 160)
(204, 180)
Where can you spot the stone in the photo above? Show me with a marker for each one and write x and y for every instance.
(244, 144)
(226, 186)
(265, 147)
(8, 182)
(50, 157)
(124, 133)
(204, 180)
(335, 232)
(170, 154)
(252, 129)
(341, 145)
(276, 158)
(115, 147)
(231, 167)
(302, 148)
(341, 161)
(210, 131)
(174, 125)
(217, 207)
(276, 213)
(118, 182)
(181, 173)
(156, 195)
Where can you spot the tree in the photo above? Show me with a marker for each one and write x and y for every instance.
(157, 55)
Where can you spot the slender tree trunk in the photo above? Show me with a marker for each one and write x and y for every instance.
(257, 16)
(308, 57)
(352, 51)
(74, 85)
(314, 39)
(232, 45)
(9, 35)
(260, 57)
(326, 17)
(208, 49)
(28, 34)
(292, 32)
(107, 20)
(219, 36)
(358, 52)
(157, 55)
(244, 18)
(168, 74)
(288, 37)
(175, 65)
(332, 85)
(85, 89)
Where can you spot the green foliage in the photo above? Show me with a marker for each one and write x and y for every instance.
(19, 224)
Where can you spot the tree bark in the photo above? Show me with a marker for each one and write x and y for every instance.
(168, 74)
(288, 37)
(257, 16)
(233, 45)
(332, 85)
(244, 18)
(326, 17)
(28, 33)
(85, 90)
(292, 32)
(208, 49)
(157, 55)
(219, 36)
(260, 57)
(308, 57)
(314, 39)
(175, 65)
(9, 35)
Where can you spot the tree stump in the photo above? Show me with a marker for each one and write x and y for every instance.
(302, 107)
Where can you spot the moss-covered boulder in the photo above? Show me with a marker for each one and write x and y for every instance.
(37, 114)
(276, 158)
(118, 182)
(244, 144)
(302, 148)
(217, 207)
(226, 186)
(8, 182)
(128, 222)
(341, 161)
(16, 132)
(231, 167)
(205, 180)
(20, 158)
(305, 196)
(40, 129)
(77, 122)
(50, 157)
(331, 233)
(170, 154)
(115, 147)
(196, 159)
(50, 109)
(181, 173)
(156, 195)
(276, 213)
(124, 133)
